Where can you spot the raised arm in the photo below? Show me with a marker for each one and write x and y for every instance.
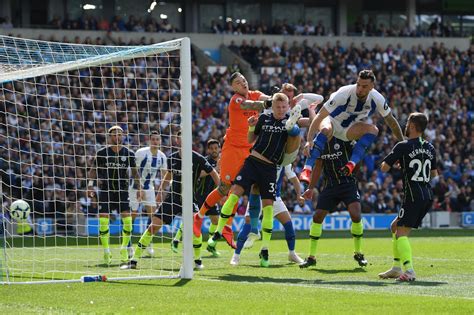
(259, 105)
(251, 132)
(392, 123)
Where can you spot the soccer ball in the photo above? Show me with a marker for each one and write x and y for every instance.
(20, 210)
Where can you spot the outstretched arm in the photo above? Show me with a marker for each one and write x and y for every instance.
(296, 183)
(92, 176)
(315, 174)
(392, 123)
(264, 102)
(165, 183)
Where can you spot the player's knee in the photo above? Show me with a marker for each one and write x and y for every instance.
(393, 226)
(373, 130)
(325, 130)
(319, 216)
(223, 188)
(356, 218)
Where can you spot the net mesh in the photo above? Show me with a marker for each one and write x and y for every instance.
(57, 101)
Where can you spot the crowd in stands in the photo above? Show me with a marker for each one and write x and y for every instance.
(50, 131)
(369, 28)
(116, 24)
(280, 27)
(308, 27)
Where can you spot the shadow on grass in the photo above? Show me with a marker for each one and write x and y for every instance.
(335, 271)
(156, 283)
(316, 282)
(102, 266)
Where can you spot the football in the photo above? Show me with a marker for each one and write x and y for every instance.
(20, 210)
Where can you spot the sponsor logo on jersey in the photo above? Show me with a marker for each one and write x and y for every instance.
(273, 129)
(333, 156)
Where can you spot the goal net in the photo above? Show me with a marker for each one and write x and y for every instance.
(57, 102)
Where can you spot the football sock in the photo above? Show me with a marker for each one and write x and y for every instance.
(127, 223)
(396, 255)
(23, 228)
(361, 147)
(314, 234)
(404, 249)
(143, 243)
(319, 143)
(226, 211)
(254, 211)
(197, 244)
(295, 131)
(212, 229)
(211, 200)
(104, 232)
(290, 235)
(242, 237)
(267, 226)
(357, 230)
(179, 233)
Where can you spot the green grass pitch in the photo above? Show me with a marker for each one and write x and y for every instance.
(444, 262)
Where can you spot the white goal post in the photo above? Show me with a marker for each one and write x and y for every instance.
(57, 101)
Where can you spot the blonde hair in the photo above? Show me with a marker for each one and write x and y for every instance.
(288, 87)
(280, 97)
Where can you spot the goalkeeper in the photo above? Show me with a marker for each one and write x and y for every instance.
(171, 206)
(111, 167)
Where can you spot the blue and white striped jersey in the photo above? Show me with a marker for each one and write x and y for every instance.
(344, 106)
(149, 165)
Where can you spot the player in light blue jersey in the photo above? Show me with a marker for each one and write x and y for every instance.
(344, 116)
(150, 161)
(280, 212)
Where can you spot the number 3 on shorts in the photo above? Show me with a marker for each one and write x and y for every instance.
(272, 188)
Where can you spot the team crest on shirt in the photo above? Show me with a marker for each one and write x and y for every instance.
(337, 146)
(124, 158)
(331, 103)
(239, 100)
(238, 177)
(284, 121)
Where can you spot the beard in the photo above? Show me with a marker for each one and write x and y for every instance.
(407, 132)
